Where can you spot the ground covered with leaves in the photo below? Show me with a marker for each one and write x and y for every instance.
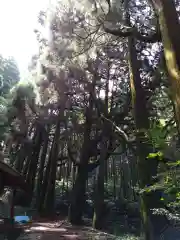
(54, 230)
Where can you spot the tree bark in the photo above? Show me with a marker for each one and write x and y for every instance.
(78, 193)
(50, 193)
(45, 182)
(98, 218)
(170, 28)
(31, 175)
(146, 169)
(41, 170)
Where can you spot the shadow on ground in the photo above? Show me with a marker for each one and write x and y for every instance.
(53, 231)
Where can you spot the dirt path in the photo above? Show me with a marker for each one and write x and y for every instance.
(56, 230)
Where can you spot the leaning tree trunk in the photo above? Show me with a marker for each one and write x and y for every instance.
(30, 154)
(21, 156)
(29, 171)
(31, 175)
(170, 29)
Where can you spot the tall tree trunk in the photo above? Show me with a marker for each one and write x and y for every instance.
(22, 154)
(99, 186)
(78, 193)
(41, 170)
(50, 193)
(30, 154)
(170, 28)
(45, 181)
(141, 121)
(99, 206)
(31, 175)
(146, 169)
(20, 158)
(73, 173)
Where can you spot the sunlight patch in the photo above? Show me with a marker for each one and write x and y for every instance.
(41, 228)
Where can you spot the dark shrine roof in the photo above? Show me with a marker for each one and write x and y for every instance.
(11, 177)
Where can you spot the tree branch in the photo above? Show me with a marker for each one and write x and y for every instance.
(156, 37)
(120, 131)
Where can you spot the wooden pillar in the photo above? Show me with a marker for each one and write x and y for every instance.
(1, 182)
(12, 207)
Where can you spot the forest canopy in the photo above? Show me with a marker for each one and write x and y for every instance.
(97, 132)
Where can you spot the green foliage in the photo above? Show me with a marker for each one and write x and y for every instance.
(157, 134)
(168, 181)
(126, 237)
(79, 52)
(9, 74)
(9, 77)
(159, 155)
(168, 177)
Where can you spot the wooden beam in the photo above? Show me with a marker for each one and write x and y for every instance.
(4, 167)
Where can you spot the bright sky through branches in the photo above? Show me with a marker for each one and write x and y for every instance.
(18, 19)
